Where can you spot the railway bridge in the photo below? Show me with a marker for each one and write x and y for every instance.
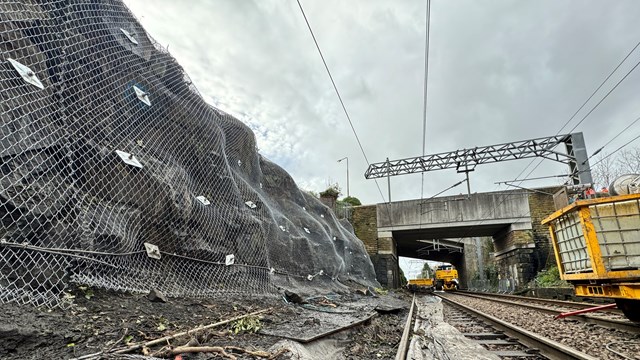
(441, 228)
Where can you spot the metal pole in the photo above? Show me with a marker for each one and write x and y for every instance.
(346, 158)
(348, 177)
(389, 178)
(468, 184)
(580, 169)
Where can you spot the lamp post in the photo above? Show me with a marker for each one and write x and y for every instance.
(346, 158)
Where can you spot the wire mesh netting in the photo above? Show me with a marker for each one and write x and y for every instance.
(108, 151)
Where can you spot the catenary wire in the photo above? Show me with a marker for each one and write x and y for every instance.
(600, 160)
(574, 115)
(426, 78)
(586, 102)
(593, 108)
(533, 178)
(616, 150)
(335, 88)
(344, 108)
(426, 92)
(611, 140)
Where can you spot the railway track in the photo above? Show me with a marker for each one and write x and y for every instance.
(504, 339)
(613, 318)
(571, 304)
(601, 340)
(501, 339)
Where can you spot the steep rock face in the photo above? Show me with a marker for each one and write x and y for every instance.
(74, 210)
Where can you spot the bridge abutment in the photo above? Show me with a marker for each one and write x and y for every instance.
(514, 257)
(380, 245)
(385, 262)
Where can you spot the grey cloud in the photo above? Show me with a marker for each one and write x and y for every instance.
(499, 71)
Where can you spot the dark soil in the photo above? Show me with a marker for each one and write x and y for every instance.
(106, 321)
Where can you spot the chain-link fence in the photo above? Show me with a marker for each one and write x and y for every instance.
(115, 173)
(344, 211)
(504, 286)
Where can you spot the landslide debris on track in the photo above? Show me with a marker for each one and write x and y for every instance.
(109, 320)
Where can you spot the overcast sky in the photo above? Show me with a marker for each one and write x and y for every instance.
(500, 71)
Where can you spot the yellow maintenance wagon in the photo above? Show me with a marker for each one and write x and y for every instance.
(597, 248)
(424, 285)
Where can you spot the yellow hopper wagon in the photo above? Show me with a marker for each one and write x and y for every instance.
(597, 249)
(420, 285)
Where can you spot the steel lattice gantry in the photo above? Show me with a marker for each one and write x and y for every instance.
(466, 160)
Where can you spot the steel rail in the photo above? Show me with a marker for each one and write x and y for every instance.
(607, 323)
(581, 305)
(547, 347)
(404, 341)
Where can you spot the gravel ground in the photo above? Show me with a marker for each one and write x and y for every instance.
(588, 338)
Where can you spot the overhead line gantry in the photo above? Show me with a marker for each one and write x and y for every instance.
(465, 160)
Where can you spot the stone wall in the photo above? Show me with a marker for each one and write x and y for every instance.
(329, 201)
(521, 254)
(516, 265)
(541, 206)
(387, 270)
(510, 239)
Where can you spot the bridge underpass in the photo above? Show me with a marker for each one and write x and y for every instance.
(437, 249)
(409, 228)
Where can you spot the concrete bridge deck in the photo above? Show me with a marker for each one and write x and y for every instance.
(511, 218)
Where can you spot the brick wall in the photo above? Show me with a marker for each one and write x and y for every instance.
(330, 201)
(365, 225)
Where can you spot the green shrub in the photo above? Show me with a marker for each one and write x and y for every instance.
(351, 200)
(550, 278)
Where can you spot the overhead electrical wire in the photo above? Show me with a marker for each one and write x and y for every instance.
(445, 190)
(427, 32)
(344, 108)
(580, 108)
(426, 77)
(581, 120)
(528, 212)
(346, 113)
(530, 179)
(611, 140)
(587, 101)
(616, 150)
(605, 96)
(594, 107)
(426, 89)
(529, 189)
